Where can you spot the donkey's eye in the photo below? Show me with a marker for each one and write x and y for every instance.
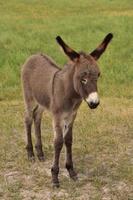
(98, 74)
(84, 81)
(85, 73)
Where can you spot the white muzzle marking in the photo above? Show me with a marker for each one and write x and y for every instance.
(93, 98)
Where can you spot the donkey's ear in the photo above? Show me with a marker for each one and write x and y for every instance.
(73, 55)
(101, 48)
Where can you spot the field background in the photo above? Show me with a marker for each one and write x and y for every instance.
(103, 138)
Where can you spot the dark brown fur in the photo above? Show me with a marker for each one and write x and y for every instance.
(61, 91)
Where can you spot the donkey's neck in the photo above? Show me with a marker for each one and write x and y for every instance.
(65, 97)
(67, 74)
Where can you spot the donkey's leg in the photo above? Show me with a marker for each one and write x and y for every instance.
(28, 125)
(58, 143)
(29, 106)
(69, 162)
(38, 111)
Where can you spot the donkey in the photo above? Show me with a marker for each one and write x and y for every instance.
(61, 91)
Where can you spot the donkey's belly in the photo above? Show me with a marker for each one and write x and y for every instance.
(43, 100)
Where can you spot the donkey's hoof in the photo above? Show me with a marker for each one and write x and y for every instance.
(56, 185)
(73, 175)
(74, 178)
(31, 158)
(30, 153)
(41, 158)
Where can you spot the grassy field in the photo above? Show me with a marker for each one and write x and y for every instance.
(103, 139)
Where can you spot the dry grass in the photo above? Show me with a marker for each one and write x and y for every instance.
(103, 155)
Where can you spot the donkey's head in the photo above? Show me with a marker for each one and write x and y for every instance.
(86, 70)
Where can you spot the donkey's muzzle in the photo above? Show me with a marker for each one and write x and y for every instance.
(93, 105)
(93, 100)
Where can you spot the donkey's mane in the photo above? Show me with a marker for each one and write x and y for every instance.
(50, 60)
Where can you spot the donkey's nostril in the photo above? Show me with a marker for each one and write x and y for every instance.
(93, 105)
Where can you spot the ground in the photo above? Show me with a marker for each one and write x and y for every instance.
(103, 155)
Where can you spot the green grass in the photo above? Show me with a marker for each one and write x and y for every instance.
(103, 141)
(27, 27)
